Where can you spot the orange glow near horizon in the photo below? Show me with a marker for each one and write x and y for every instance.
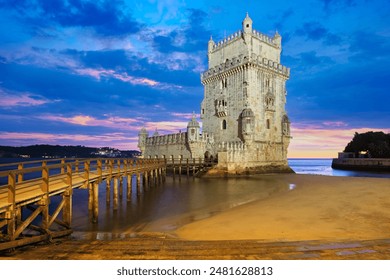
(315, 142)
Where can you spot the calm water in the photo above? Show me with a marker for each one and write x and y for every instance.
(323, 167)
(178, 202)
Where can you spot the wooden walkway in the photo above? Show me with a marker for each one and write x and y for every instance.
(26, 188)
(26, 215)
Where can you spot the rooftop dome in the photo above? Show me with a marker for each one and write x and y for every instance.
(193, 122)
(143, 131)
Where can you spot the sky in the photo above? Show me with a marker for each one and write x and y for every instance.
(93, 73)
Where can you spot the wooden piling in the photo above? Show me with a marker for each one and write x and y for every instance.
(115, 196)
(108, 191)
(45, 200)
(120, 187)
(146, 181)
(95, 210)
(129, 187)
(10, 215)
(138, 184)
(20, 174)
(67, 197)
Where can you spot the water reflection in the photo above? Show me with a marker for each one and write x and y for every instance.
(173, 204)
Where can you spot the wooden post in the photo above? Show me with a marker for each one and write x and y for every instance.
(10, 215)
(129, 186)
(90, 196)
(87, 166)
(118, 162)
(18, 216)
(67, 212)
(63, 166)
(95, 210)
(180, 169)
(108, 190)
(158, 176)
(100, 169)
(120, 187)
(193, 168)
(138, 184)
(146, 181)
(115, 206)
(173, 165)
(76, 168)
(44, 202)
(20, 173)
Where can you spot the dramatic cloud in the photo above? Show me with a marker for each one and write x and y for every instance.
(21, 99)
(316, 31)
(106, 17)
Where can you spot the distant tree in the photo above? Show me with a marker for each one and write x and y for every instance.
(376, 144)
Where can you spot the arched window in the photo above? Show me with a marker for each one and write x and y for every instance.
(268, 124)
(224, 124)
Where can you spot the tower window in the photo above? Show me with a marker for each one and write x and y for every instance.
(224, 124)
(247, 26)
(224, 83)
(268, 124)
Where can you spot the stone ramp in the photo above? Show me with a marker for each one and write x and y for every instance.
(162, 247)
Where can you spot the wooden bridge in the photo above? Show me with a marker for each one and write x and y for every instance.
(27, 214)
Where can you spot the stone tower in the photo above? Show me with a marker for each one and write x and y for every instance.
(245, 124)
(244, 101)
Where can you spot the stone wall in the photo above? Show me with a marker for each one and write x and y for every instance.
(363, 164)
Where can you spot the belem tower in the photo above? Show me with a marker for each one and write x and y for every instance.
(245, 124)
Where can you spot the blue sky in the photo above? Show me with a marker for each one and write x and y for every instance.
(95, 72)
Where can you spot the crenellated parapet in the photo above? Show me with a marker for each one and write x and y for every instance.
(241, 62)
(232, 146)
(238, 35)
(175, 138)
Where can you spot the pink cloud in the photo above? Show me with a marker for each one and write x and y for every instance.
(185, 115)
(84, 120)
(124, 77)
(122, 124)
(24, 99)
(335, 124)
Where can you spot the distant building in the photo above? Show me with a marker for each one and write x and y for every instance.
(245, 124)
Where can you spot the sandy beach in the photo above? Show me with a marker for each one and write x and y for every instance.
(316, 208)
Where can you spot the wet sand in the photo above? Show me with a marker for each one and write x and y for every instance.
(317, 208)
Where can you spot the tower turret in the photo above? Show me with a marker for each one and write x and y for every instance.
(193, 129)
(142, 135)
(247, 24)
(247, 124)
(278, 39)
(211, 44)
